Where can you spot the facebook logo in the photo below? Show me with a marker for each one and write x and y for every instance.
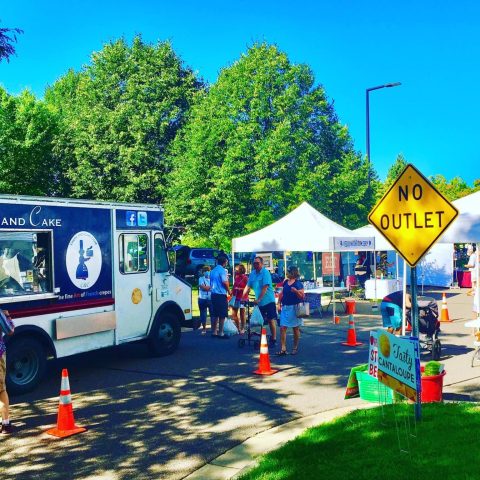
(131, 219)
(142, 219)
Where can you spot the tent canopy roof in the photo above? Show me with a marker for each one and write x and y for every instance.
(466, 227)
(302, 230)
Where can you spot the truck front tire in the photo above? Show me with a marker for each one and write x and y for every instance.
(26, 363)
(165, 335)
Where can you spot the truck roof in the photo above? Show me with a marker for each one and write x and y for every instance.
(75, 201)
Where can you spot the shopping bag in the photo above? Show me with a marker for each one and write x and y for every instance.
(302, 310)
(5, 325)
(229, 327)
(256, 318)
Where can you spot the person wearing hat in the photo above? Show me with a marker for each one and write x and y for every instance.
(472, 266)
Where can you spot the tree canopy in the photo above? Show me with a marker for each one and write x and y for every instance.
(452, 190)
(136, 124)
(27, 131)
(117, 119)
(8, 36)
(260, 141)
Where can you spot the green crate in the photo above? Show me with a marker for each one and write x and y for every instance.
(372, 390)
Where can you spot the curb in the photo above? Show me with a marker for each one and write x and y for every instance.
(239, 459)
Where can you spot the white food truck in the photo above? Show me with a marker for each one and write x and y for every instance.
(81, 275)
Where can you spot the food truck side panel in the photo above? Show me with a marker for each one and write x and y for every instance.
(56, 278)
(55, 263)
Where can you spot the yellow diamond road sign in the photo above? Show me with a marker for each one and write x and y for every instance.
(412, 215)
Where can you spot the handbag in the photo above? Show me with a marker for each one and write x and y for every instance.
(256, 318)
(302, 310)
(231, 302)
(5, 325)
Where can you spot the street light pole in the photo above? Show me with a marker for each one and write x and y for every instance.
(386, 85)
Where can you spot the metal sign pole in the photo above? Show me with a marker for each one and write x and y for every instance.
(415, 332)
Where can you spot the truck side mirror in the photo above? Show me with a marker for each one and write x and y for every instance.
(172, 258)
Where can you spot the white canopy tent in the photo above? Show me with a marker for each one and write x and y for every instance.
(466, 227)
(302, 230)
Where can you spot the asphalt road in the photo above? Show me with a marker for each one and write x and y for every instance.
(165, 417)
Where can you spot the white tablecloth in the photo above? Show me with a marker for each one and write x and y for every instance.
(384, 287)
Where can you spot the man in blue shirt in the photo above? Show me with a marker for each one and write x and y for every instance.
(219, 288)
(260, 280)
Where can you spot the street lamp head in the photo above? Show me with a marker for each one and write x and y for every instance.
(368, 90)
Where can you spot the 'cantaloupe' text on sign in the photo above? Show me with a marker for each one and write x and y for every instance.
(412, 215)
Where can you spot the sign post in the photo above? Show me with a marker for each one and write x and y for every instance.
(411, 216)
(415, 331)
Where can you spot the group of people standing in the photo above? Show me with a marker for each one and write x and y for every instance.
(214, 292)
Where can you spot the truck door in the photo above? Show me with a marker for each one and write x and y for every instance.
(133, 286)
(167, 287)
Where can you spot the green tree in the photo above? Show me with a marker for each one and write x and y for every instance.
(453, 189)
(118, 117)
(27, 130)
(393, 173)
(8, 36)
(263, 139)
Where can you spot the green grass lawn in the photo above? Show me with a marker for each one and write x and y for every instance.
(365, 445)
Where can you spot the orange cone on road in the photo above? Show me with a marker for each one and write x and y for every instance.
(264, 367)
(444, 317)
(65, 421)
(351, 335)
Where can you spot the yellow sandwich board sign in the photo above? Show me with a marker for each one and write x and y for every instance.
(412, 215)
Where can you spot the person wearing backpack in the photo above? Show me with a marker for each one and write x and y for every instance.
(291, 295)
(8, 327)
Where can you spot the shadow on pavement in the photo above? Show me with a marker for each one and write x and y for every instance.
(166, 417)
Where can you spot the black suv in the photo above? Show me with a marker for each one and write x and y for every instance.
(189, 260)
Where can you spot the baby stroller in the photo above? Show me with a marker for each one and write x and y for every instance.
(428, 324)
(253, 334)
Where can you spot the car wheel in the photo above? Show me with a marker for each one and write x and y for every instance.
(165, 335)
(26, 363)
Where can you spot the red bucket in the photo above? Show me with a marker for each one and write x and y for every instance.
(350, 305)
(432, 387)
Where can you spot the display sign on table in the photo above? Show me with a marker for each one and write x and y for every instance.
(327, 268)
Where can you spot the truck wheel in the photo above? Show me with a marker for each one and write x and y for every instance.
(26, 363)
(165, 335)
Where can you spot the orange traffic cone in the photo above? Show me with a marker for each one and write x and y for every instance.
(336, 320)
(444, 315)
(351, 335)
(65, 421)
(264, 367)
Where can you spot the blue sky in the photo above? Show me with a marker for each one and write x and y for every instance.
(432, 47)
